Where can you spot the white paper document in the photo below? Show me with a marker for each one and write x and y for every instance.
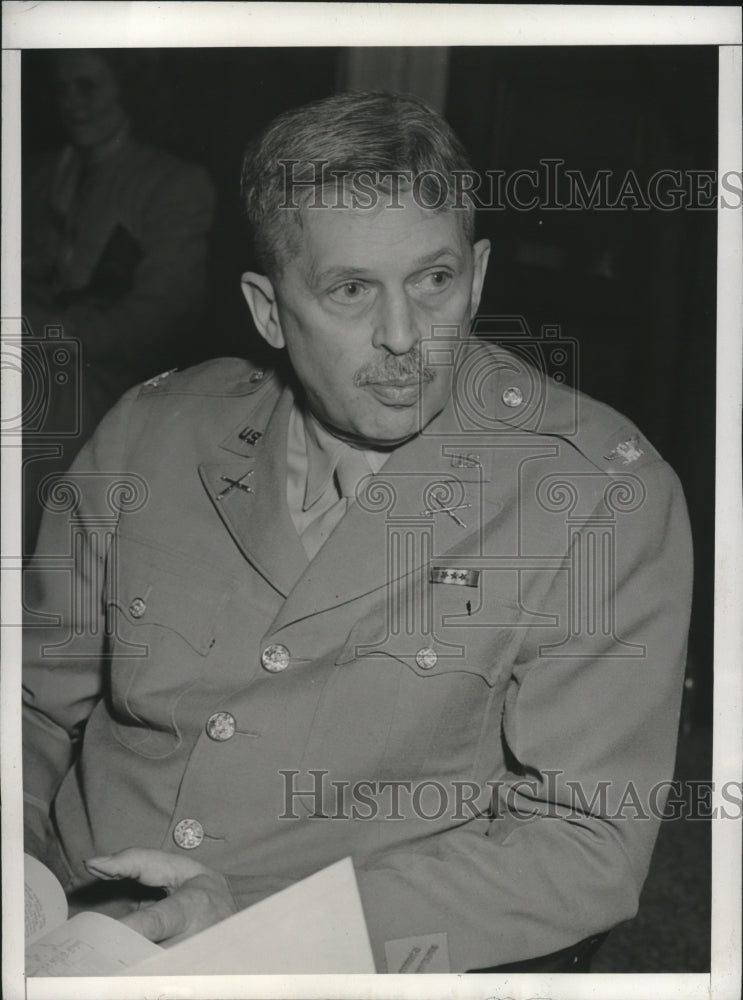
(315, 926)
(89, 944)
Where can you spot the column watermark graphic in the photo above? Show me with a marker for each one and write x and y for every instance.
(92, 504)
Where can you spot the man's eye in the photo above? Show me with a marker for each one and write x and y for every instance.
(436, 280)
(349, 291)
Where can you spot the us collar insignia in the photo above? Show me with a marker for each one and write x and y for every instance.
(250, 435)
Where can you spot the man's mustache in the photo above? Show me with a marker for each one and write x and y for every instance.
(396, 369)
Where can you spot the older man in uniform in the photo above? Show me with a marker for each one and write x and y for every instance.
(406, 599)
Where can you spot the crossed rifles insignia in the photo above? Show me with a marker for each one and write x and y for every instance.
(442, 508)
(235, 484)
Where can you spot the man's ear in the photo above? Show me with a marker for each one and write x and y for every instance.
(481, 252)
(261, 298)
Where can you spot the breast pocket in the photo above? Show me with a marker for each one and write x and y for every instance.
(443, 653)
(437, 628)
(163, 614)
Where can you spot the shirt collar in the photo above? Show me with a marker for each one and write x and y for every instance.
(321, 451)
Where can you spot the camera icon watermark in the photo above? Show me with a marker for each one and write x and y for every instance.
(51, 372)
(502, 375)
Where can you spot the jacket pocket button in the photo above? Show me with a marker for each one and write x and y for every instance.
(137, 608)
(220, 726)
(426, 658)
(275, 658)
(188, 834)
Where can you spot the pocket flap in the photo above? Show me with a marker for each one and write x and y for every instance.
(157, 587)
(448, 643)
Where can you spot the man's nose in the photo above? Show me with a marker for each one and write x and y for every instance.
(395, 326)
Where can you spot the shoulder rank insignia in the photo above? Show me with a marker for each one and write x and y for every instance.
(157, 379)
(629, 451)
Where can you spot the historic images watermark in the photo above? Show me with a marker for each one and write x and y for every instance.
(315, 795)
(549, 185)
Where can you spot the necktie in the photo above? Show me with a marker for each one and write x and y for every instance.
(351, 466)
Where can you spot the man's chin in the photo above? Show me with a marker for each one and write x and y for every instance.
(379, 434)
(392, 428)
(383, 426)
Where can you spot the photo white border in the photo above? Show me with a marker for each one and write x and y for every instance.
(202, 25)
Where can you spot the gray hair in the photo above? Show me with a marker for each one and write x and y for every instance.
(365, 139)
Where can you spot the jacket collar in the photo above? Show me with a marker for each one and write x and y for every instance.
(442, 467)
(249, 494)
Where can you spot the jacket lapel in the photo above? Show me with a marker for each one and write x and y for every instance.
(255, 511)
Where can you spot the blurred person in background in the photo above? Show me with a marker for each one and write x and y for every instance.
(115, 244)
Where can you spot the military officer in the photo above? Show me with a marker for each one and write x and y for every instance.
(403, 598)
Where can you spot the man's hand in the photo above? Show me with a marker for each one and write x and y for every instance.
(197, 896)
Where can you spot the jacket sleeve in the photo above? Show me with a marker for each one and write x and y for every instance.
(64, 622)
(590, 738)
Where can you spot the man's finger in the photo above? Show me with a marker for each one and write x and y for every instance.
(160, 921)
(150, 867)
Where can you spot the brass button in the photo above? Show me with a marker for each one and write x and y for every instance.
(426, 658)
(257, 376)
(275, 658)
(188, 834)
(220, 726)
(137, 608)
(513, 396)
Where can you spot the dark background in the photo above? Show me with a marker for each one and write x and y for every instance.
(635, 289)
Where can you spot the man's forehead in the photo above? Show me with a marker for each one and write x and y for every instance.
(407, 236)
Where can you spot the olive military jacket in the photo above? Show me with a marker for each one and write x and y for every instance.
(473, 689)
